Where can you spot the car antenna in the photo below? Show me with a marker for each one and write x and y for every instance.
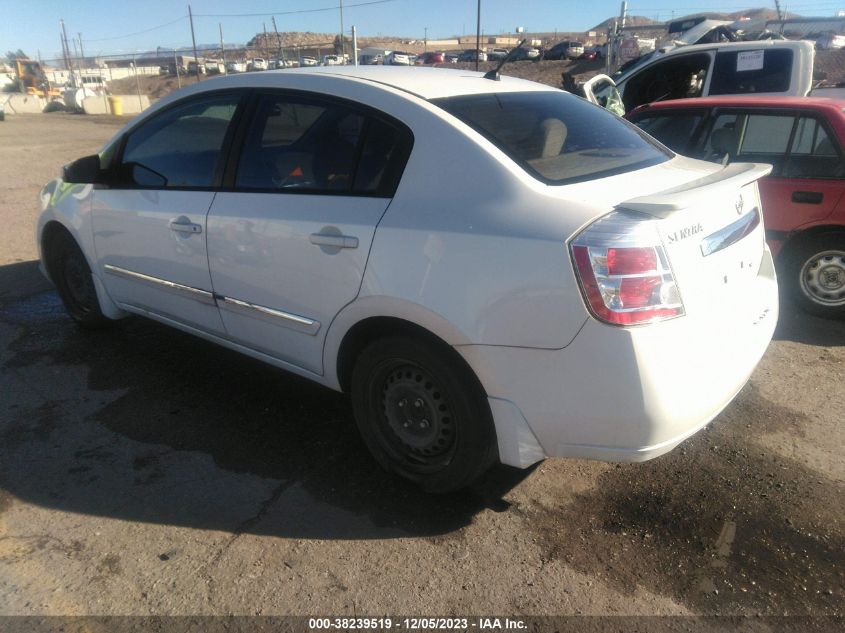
(494, 74)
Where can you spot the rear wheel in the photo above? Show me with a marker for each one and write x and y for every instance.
(815, 275)
(74, 282)
(422, 413)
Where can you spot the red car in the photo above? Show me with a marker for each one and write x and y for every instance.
(431, 58)
(803, 202)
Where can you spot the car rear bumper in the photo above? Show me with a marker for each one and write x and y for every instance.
(628, 394)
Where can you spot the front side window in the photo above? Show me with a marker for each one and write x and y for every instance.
(181, 147)
(678, 77)
(305, 145)
(555, 136)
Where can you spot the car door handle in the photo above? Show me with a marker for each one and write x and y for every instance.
(183, 225)
(334, 241)
(807, 197)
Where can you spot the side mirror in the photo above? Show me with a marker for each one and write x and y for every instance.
(84, 170)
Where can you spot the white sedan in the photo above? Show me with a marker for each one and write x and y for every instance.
(493, 269)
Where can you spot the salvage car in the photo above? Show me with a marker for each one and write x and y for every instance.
(770, 67)
(558, 290)
(804, 207)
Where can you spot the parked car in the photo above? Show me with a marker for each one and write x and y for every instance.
(497, 54)
(566, 49)
(770, 67)
(803, 201)
(370, 60)
(235, 67)
(308, 61)
(526, 52)
(570, 291)
(399, 58)
(332, 60)
(589, 54)
(452, 58)
(431, 58)
(470, 55)
(257, 63)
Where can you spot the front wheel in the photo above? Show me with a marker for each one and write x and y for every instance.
(815, 275)
(72, 276)
(422, 413)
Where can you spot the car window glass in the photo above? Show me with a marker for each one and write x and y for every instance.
(744, 72)
(679, 77)
(766, 134)
(675, 131)
(381, 152)
(556, 136)
(297, 144)
(180, 147)
(814, 154)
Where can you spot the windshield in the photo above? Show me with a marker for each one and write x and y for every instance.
(556, 137)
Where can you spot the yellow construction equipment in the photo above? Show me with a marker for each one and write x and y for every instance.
(32, 79)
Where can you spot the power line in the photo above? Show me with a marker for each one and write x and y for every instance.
(294, 12)
(120, 37)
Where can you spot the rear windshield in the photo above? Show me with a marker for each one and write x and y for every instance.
(556, 137)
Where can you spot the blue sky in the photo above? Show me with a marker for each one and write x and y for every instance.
(113, 26)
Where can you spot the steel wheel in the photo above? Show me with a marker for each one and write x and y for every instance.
(822, 278)
(422, 413)
(417, 419)
(70, 272)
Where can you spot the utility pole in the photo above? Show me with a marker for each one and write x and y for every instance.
(67, 48)
(425, 39)
(278, 39)
(478, 35)
(194, 42)
(342, 42)
(222, 50)
(264, 42)
(64, 51)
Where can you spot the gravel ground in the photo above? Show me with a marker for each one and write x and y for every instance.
(143, 471)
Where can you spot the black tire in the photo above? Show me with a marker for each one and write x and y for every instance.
(72, 276)
(445, 438)
(813, 275)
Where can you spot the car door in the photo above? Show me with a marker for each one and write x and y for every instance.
(289, 241)
(150, 218)
(812, 181)
(805, 184)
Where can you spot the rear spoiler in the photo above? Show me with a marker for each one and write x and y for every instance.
(666, 202)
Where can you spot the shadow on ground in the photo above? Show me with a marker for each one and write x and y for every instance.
(285, 456)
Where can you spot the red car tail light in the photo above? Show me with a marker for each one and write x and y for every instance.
(624, 272)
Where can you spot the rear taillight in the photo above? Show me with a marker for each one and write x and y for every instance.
(624, 272)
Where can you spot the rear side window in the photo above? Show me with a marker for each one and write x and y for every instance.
(745, 72)
(180, 147)
(674, 130)
(814, 153)
(296, 144)
(555, 136)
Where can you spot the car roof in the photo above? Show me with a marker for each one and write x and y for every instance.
(427, 83)
(744, 101)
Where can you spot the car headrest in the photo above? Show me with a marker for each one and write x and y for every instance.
(724, 141)
(554, 136)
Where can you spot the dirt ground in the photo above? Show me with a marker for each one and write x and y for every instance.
(143, 471)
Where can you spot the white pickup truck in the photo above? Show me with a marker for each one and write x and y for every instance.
(766, 67)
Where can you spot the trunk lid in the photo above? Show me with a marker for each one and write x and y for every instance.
(712, 231)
